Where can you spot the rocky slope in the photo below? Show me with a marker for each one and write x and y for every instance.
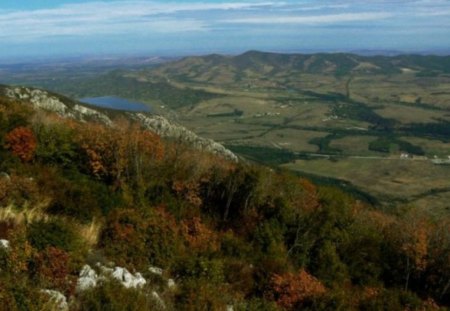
(68, 108)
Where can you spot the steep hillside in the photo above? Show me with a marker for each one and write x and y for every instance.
(97, 212)
(68, 108)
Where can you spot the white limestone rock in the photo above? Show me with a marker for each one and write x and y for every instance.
(4, 244)
(158, 299)
(171, 284)
(127, 279)
(57, 299)
(91, 113)
(164, 128)
(156, 270)
(87, 280)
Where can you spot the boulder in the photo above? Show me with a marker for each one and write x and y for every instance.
(87, 280)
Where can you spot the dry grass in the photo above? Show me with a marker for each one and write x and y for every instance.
(23, 215)
(410, 114)
(90, 233)
(432, 147)
(11, 214)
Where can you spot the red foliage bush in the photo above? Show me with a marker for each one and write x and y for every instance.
(291, 290)
(199, 236)
(22, 143)
(52, 267)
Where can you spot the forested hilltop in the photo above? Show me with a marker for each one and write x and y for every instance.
(110, 216)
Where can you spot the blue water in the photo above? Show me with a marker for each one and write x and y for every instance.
(117, 103)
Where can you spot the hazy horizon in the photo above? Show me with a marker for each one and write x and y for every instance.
(77, 28)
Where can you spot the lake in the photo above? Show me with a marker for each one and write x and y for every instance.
(113, 102)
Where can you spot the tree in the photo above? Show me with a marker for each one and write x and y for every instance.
(291, 291)
(22, 143)
(407, 251)
(120, 154)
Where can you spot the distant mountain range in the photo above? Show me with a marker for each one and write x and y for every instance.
(269, 64)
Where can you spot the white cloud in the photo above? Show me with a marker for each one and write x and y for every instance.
(142, 17)
(116, 17)
(312, 19)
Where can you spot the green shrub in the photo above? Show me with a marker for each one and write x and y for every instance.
(56, 233)
(55, 144)
(257, 304)
(192, 267)
(17, 294)
(112, 296)
(201, 295)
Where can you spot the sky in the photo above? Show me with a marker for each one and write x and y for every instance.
(50, 28)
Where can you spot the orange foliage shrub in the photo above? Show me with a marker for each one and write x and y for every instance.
(120, 152)
(135, 238)
(20, 252)
(417, 246)
(199, 236)
(188, 191)
(291, 290)
(369, 292)
(310, 198)
(18, 190)
(22, 143)
(411, 235)
(52, 267)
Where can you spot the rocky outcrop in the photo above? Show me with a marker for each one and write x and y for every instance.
(69, 109)
(57, 300)
(164, 128)
(127, 279)
(89, 278)
(91, 113)
(39, 99)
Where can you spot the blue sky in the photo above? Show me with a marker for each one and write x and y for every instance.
(50, 28)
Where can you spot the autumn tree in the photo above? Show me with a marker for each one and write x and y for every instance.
(122, 153)
(22, 143)
(408, 239)
(291, 291)
(305, 200)
(199, 236)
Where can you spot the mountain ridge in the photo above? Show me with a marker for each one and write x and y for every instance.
(336, 63)
(69, 108)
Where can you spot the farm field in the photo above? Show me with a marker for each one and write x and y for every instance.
(391, 180)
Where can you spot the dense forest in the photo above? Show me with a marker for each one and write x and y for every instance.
(201, 232)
